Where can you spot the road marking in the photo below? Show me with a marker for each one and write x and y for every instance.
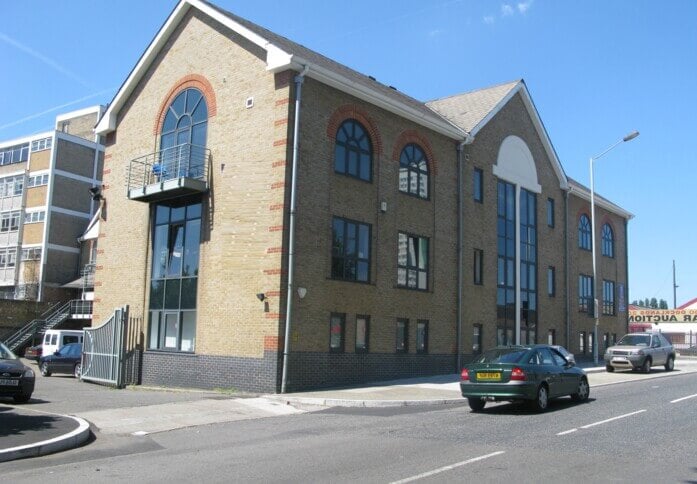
(567, 432)
(613, 418)
(683, 398)
(447, 468)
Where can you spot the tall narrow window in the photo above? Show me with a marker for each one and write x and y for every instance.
(584, 232)
(551, 337)
(478, 263)
(174, 276)
(609, 298)
(350, 250)
(183, 139)
(402, 336)
(551, 283)
(413, 171)
(478, 185)
(422, 336)
(476, 339)
(353, 154)
(505, 279)
(362, 332)
(585, 294)
(582, 342)
(608, 241)
(550, 212)
(528, 267)
(412, 261)
(336, 332)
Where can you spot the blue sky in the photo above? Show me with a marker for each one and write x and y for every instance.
(596, 70)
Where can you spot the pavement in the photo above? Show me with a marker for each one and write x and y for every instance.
(50, 424)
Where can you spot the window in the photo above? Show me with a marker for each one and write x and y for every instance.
(476, 339)
(412, 262)
(41, 144)
(478, 185)
(37, 180)
(34, 217)
(402, 337)
(550, 212)
(609, 298)
(413, 171)
(14, 154)
(584, 232)
(362, 332)
(551, 337)
(585, 294)
(183, 138)
(353, 153)
(422, 336)
(31, 253)
(606, 340)
(608, 241)
(478, 262)
(551, 283)
(582, 342)
(506, 255)
(8, 258)
(11, 186)
(174, 275)
(528, 267)
(9, 221)
(336, 332)
(350, 250)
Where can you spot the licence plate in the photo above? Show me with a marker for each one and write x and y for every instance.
(620, 359)
(9, 383)
(489, 376)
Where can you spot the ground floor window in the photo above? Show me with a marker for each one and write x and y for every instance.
(362, 331)
(476, 339)
(582, 342)
(551, 337)
(337, 323)
(172, 330)
(422, 336)
(402, 336)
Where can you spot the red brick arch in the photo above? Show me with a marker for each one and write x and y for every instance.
(192, 80)
(412, 136)
(349, 111)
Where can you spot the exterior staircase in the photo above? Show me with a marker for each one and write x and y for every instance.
(50, 319)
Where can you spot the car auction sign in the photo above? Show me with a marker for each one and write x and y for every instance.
(656, 316)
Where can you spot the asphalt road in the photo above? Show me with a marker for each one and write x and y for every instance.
(643, 431)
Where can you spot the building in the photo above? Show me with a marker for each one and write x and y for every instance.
(289, 223)
(45, 205)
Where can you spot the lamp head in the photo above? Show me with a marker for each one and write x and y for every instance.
(261, 296)
(631, 136)
(96, 193)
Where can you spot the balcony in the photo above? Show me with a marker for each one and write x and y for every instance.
(173, 172)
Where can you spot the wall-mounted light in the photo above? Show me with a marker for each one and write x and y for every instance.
(302, 291)
(261, 296)
(96, 193)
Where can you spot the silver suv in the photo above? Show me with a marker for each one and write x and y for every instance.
(640, 351)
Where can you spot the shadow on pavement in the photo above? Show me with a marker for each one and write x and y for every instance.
(14, 423)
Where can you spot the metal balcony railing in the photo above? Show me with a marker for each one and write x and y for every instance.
(176, 171)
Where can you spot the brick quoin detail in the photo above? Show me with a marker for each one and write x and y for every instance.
(411, 136)
(192, 80)
(281, 142)
(106, 172)
(274, 315)
(274, 250)
(284, 101)
(271, 343)
(276, 164)
(274, 272)
(277, 185)
(100, 251)
(280, 122)
(350, 111)
(276, 228)
(273, 293)
(108, 156)
(278, 206)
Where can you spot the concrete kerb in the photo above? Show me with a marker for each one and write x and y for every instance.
(71, 440)
(302, 402)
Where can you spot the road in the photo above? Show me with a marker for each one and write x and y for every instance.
(642, 431)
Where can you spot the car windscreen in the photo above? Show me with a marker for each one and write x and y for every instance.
(502, 355)
(635, 340)
(6, 354)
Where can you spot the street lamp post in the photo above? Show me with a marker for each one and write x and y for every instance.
(596, 312)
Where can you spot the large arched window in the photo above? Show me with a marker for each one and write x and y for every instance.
(608, 241)
(584, 232)
(183, 138)
(353, 153)
(413, 171)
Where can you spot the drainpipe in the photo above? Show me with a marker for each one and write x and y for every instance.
(460, 237)
(566, 270)
(291, 241)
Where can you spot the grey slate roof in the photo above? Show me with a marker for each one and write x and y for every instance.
(469, 109)
(309, 55)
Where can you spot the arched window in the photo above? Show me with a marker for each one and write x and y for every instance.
(353, 153)
(183, 138)
(584, 232)
(413, 171)
(608, 241)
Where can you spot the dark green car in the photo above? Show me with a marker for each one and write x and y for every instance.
(534, 374)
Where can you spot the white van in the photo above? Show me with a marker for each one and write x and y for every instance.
(55, 339)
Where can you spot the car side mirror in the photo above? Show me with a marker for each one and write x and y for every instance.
(56, 352)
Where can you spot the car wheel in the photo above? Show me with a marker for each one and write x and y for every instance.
(44, 369)
(22, 398)
(542, 400)
(77, 371)
(670, 364)
(476, 404)
(609, 368)
(646, 367)
(583, 391)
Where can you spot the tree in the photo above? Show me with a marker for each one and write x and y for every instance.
(654, 303)
(636, 303)
(663, 304)
(646, 302)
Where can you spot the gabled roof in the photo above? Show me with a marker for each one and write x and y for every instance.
(584, 192)
(691, 304)
(471, 111)
(283, 54)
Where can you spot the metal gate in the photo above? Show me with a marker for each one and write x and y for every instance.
(111, 352)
